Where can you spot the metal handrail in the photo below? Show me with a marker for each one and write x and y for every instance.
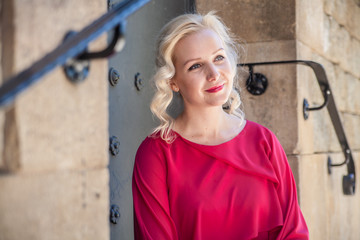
(349, 179)
(73, 48)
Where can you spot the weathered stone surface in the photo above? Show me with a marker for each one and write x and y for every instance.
(340, 88)
(353, 97)
(294, 165)
(352, 62)
(343, 213)
(278, 101)
(37, 25)
(255, 21)
(323, 204)
(310, 23)
(346, 13)
(313, 189)
(352, 129)
(62, 205)
(57, 183)
(270, 51)
(336, 42)
(73, 117)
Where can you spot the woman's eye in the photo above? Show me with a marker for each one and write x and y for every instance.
(219, 58)
(197, 65)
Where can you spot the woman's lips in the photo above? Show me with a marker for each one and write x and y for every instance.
(215, 89)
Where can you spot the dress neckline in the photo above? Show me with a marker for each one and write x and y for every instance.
(242, 128)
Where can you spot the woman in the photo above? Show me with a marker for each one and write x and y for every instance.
(209, 174)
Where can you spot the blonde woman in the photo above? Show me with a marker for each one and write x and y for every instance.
(209, 173)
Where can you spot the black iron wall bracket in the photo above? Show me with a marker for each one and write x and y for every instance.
(255, 82)
(307, 109)
(77, 69)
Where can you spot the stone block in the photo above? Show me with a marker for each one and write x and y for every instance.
(278, 101)
(343, 212)
(337, 87)
(270, 51)
(325, 139)
(352, 62)
(353, 18)
(306, 84)
(60, 125)
(346, 13)
(310, 23)
(255, 21)
(73, 132)
(37, 27)
(313, 189)
(340, 88)
(294, 165)
(337, 9)
(328, 212)
(352, 129)
(353, 96)
(336, 41)
(316, 134)
(63, 205)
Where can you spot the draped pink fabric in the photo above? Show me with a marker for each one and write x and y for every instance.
(240, 189)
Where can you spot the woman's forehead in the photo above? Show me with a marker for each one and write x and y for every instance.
(196, 44)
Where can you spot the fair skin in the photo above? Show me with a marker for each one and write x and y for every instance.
(204, 78)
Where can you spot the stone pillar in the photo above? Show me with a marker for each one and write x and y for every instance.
(326, 32)
(53, 147)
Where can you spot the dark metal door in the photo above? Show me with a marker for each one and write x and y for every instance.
(130, 119)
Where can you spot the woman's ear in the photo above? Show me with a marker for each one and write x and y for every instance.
(173, 86)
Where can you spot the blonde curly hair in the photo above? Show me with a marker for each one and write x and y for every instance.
(170, 35)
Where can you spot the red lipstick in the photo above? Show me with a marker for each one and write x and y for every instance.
(215, 89)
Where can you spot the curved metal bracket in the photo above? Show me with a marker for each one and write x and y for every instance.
(77, 69)
(307, 109)
(349, 179)
(116, 44)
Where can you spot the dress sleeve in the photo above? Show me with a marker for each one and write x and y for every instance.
(152, 218)
(294, 226)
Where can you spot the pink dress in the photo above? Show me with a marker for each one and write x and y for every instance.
(240, 189)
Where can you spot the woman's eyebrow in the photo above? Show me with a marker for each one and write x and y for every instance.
(218, 50)
(193, 59)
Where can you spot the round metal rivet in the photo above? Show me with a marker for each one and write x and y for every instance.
(138, 82)
(114, 76)
(114, 145)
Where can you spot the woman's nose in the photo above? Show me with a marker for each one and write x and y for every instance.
(212, 73)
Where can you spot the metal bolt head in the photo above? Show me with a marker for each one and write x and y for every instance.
(256, 84)
(114, 145)
(114, 76)
(138, 82)
(114, 214)
(305, 109)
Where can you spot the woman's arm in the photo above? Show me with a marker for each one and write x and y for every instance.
(152, 218)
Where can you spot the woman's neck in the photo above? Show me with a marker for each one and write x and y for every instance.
(207, 125)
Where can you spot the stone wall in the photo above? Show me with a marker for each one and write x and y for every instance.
(328, 32)
(53, 147)
(325, 31)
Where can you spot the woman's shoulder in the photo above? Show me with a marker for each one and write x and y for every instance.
(152, 144)
(258, 129)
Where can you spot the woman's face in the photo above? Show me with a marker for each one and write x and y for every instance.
(203, 72)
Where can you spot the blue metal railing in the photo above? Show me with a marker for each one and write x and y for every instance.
(73, 48)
